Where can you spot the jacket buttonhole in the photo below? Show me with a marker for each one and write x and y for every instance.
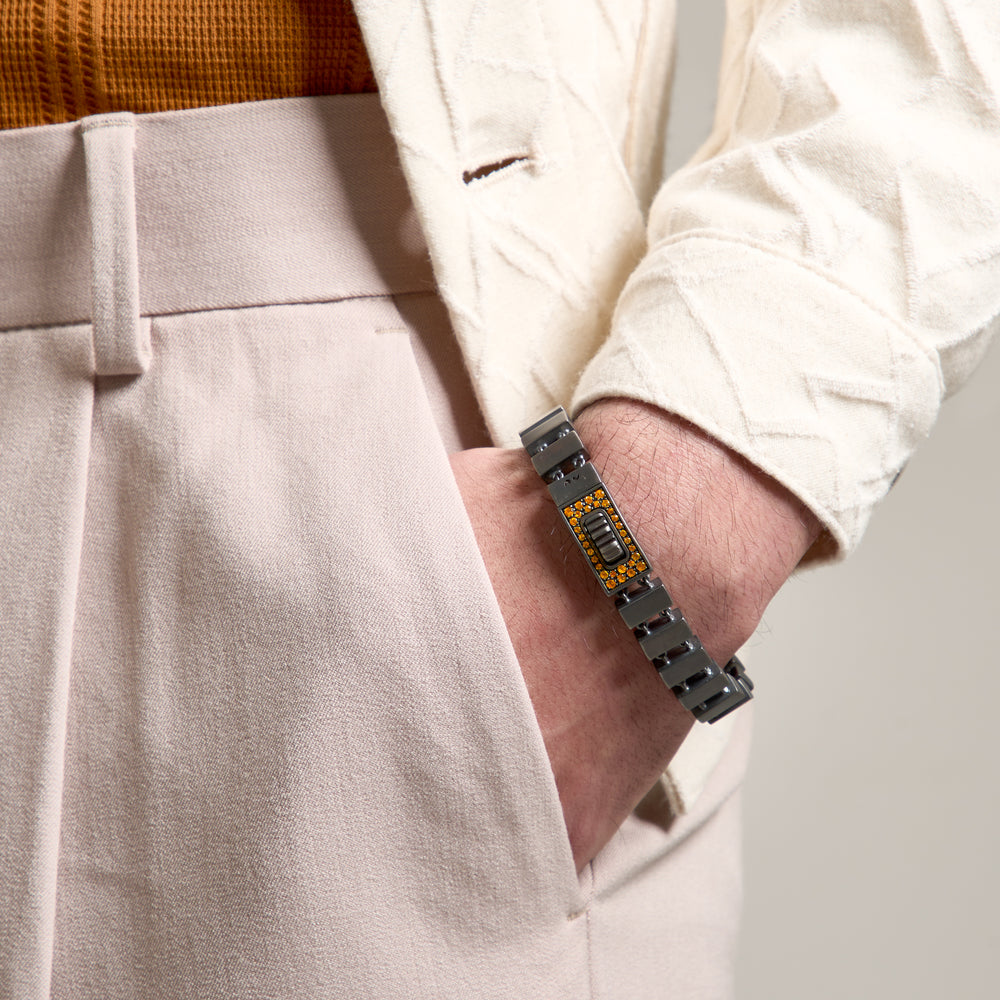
(491, 168)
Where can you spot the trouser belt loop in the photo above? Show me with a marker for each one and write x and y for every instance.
(121, 336)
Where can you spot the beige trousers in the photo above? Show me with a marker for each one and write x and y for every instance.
(263, 731)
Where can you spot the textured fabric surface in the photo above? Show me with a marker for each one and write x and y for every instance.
(264, 731)
(297, 763)
(827, 268)
(686, 949)
(44, 442)
(808, 289)
(64, 59)
(283, 175)
(531, 258)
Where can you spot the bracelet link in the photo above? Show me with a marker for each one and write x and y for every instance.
(739, 692)
(637, 607)
(551, 456)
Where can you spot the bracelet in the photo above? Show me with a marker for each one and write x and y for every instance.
(622, 569)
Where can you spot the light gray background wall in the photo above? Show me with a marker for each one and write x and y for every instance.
(872, 807)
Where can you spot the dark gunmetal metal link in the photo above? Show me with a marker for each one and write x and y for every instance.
(742, 692)
(713, 681)
(671, 631)
(708, 691)
(557, 453)
(638, 608)
(683, 669)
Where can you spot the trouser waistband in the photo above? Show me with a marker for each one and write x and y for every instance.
(123, 216)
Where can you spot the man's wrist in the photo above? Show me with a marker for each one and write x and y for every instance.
(723, 535)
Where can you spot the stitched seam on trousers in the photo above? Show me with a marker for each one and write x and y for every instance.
(354, 297)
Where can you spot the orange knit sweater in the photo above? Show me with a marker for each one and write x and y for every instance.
(63, 59)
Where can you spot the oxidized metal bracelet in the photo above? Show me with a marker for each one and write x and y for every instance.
(561, 459)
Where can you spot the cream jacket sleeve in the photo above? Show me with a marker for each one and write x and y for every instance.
(828, 268)
(807, 291)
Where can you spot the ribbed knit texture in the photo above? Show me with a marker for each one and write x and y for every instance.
(63, 59)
